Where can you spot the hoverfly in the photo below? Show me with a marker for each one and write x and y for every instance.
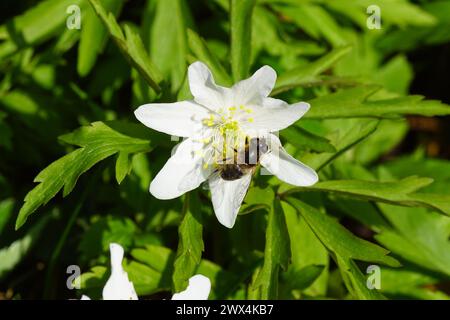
(245, 163)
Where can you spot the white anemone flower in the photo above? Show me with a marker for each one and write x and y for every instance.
(119, 287)
(244, 110)
(198, 289)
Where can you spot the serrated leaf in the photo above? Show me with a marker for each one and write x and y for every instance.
(353, 103)
(97, 141)
(241, 31)
(339, 240)
(401, 192)
(190, 244)
(131, 46)
(346, 247)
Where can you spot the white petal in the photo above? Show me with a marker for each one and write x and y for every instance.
(205, 90)
(275, 115)
(118, 287)
(181, 119)
(227, 197)
(183, 172)
(198, 289)
(84, 297)
(255, 88)
(287, 168)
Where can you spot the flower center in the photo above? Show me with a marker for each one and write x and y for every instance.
(228, 119)
(226, 135)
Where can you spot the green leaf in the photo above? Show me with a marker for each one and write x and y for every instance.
(437, 169)
(355, 281)
(305, 140)
(395, 75)
(190, 245)
(300, 279)
(339, 240)
(277, 253)
(123, 166)
(12, 255)
(419, 236)
(400, 167)
(36, 25)
(241, 30)
(401, 192)
(199, 47)
(93, 281)
(306, 250)
(346, 247)
(104, 231)
(145, 280)
(6, 210)
(161, 260)
(315, 21)
(348, 135)
(410, 283)
(387, 136)
(97, 141)
(94, 36)
(168, 39)
(400, 12)
(304, 75)
(131, 46)
(353, 103)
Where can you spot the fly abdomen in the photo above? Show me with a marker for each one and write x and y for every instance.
(231, 172)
